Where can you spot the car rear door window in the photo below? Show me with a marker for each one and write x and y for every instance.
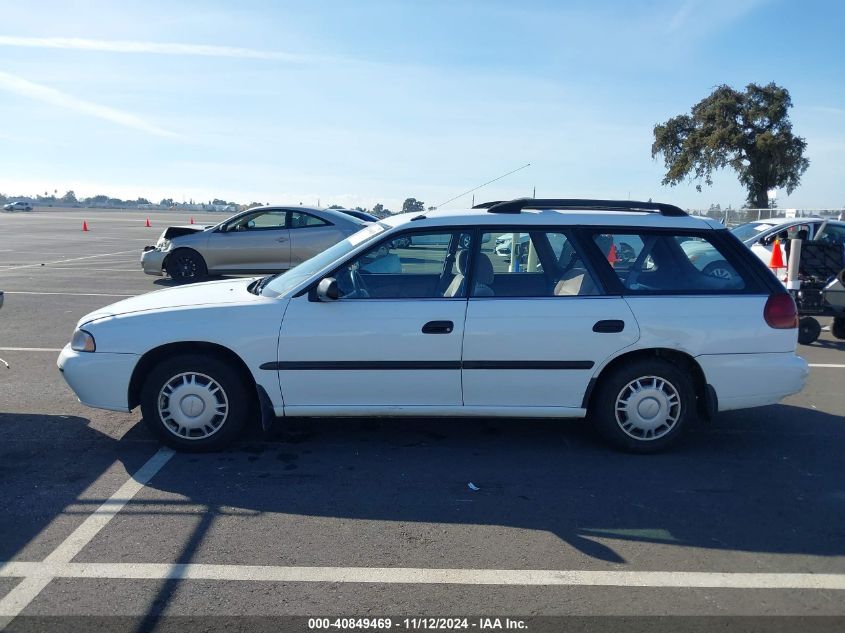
(668, 262)
(299, 220)
(531, 263)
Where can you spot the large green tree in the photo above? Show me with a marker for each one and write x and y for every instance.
(750, 132)
(412, 205)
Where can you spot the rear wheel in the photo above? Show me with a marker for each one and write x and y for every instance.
(809, 330)
(838, 327)
(185, 264)
(644, 406)
(195, 402)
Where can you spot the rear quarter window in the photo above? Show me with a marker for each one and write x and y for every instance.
(663, 262)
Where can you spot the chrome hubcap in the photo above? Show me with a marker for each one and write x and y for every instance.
(648, 408)
(721, 273)
(192, 406)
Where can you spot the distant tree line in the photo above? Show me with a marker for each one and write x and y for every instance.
(411, 205)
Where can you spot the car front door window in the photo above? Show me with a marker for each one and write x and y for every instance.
(393, 269)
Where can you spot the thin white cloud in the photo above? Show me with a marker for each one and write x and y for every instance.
(160, 48)
(45, 94)
(697, 16)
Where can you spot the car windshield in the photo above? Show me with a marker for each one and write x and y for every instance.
(288, 280)
(745, 232)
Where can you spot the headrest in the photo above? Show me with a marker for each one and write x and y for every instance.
(483, 269)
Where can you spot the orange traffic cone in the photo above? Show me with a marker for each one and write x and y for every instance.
(612, 257)
(192, 219)
(776, 260)
(84, 225)
(148, 225)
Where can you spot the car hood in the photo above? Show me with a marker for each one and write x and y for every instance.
(185, 229)
(201, 294)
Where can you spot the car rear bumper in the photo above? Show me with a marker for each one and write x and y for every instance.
(753, 380)
(99, 379)
(152, 262)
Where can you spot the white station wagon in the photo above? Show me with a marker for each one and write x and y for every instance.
(564, 328)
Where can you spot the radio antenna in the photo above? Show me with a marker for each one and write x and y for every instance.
(484, 185)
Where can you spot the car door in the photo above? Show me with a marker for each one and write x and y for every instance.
(258, 241)
(310, 235)
(538, 324)
(391, 343)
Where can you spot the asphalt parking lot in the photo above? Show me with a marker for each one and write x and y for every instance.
(319, 517)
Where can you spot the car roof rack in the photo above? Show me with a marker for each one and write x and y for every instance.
(516, 206)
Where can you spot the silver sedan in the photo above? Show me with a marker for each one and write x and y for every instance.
(261, 240)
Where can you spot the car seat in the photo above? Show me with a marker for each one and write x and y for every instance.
(483, 276)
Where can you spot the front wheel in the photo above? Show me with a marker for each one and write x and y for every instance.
(644, 406)
(185, 265)
(194, 402)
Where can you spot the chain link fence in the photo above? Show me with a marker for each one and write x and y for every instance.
(734, 217)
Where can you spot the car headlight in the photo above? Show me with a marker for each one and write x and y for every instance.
(163, 244)
(82, 341)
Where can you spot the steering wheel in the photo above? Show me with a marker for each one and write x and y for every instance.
(352, 285)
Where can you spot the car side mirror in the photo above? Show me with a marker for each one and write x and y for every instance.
(327, 290)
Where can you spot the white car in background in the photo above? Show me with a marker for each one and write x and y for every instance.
(760, 236)
(20, 205)
(644, 344)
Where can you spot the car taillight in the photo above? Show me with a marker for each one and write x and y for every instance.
(780, 311)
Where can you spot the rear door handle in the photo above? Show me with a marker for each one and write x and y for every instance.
(610, 326)
(282, 239)
(438, 327)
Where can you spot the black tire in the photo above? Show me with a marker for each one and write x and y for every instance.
(837, 328)
(235, 393)
(679, 408)
(809, 330)
(185, 264)
(720, 270)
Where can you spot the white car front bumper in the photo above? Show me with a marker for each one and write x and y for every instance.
(99, 379)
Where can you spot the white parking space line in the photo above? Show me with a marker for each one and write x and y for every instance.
(426, 576)
(28, 589)
(62, 261)
(30, 349)
(106, 270)
(68, 294)
(828, 365)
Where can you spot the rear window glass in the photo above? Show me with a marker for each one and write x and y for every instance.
(653, 263)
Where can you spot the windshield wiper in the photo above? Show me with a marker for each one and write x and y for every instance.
(263, 282)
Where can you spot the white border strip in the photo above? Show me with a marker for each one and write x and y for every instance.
(30, 349)
(28, 589)
(425, 576)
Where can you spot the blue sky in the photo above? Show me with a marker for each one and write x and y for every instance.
(370, 101)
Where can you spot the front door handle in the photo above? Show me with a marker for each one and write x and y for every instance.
(438, 327)
(610, 326)
(282, 239)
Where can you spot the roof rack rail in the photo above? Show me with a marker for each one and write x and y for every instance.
(487, 205)
(516, 206)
